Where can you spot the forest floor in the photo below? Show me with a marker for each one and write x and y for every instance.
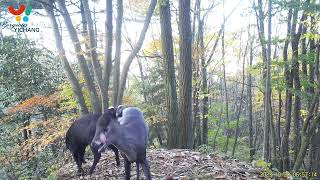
(168, 164)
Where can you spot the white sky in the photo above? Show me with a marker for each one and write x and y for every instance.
(235, 23)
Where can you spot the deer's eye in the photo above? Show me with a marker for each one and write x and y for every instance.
(106, 129)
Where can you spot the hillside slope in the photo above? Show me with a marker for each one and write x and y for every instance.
(169, 164)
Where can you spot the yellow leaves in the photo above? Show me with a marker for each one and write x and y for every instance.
(197, 53)
(44, 133)
(304, 113)
(259, 100)
(153, 47)
(155, 119)
(137, 6)
(128, 100)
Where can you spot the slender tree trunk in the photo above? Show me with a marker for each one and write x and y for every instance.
(241, 98)
(196, 76)
(268, 94)
(308, 128)
(94, 57)
(288, 103)
(185, 74)
(143, 81)
(107, 50)
(135, 50)
(66, 66)
(226, 98)
(314, 153)
(94, 100)
(304, 53)
(84, 34)
(216, 134)
(249, 103)
(317, 63)
(204, 88)
(25, 130)
(266, 56)
(256, 130)
(117, 58)
(220, 116)
(171, 93)
(196, 101)
(307, 133)
(312, 52)
(279, 116)
(295, 38)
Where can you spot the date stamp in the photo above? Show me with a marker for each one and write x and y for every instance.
(294, 174)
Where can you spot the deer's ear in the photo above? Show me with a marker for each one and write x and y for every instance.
(119, 111)
(112, 111)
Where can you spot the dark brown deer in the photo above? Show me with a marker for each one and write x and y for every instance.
(80, 135)
(129, 134)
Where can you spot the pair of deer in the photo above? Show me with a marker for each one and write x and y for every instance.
(119, 129)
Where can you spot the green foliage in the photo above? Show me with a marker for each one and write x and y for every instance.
(41, 155)
(26, 70)
(261, 163)
(69, 102)
(149, 94)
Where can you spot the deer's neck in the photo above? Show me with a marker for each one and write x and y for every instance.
(126, 146)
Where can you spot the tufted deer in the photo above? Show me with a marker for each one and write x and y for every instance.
(129, 134)
(80, 134)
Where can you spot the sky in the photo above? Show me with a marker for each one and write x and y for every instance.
(235, 23)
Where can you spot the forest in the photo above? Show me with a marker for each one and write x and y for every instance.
(222, 89)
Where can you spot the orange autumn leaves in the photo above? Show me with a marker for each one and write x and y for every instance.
(31, 105)
(49, 133)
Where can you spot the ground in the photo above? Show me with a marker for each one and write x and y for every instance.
(169, 164)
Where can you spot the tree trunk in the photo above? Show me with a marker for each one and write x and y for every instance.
(25, 130)
(219, 123)
(84, 34)
(204, 87)
(117, 58)
(314, 153)
(308, 128)
(241, 98)
(196, 80)
(66, 66)
(108, 50)
(94, 100)
(268, 94)
(196, 100)
(249, 108)
(94, 57)
(134, 51)
(278, 130)
(305, 140)
(226, 98)
(143, 81)
(170, 84)
(295, 38)
(288, 103)
(312, 63)
(266, 77)
(317, 62)
(185, 74)
(216, 135)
